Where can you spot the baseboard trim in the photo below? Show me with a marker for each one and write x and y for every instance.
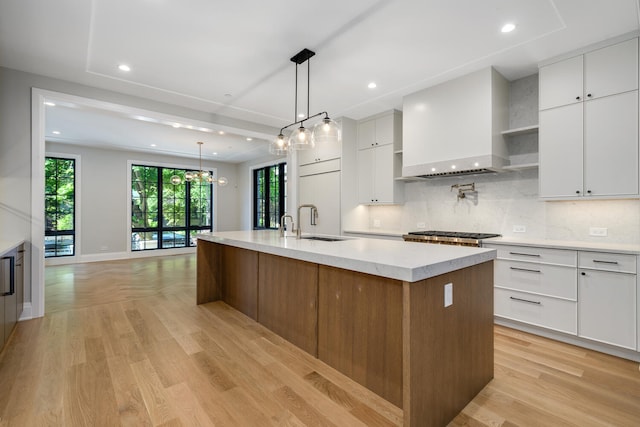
(27, 312)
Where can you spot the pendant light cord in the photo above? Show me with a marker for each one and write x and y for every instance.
(295, 103)
(308, 84)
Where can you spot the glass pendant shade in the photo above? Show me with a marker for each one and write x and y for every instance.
(279, 146)
(200, 176)
(301, 139)
(326, 131)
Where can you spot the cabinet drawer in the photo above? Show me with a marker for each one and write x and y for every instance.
(607, 261)
(547, 312)
(535, 254)
(553, 280)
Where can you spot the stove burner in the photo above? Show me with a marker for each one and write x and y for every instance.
(454, 234)
(448, 237)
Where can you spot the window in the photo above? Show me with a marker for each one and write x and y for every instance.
(270, 195)
(59, 207)
(164, 215)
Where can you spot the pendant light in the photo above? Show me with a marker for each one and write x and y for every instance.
(199, 176)
(324, 132)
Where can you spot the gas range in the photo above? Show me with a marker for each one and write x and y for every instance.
(448, 237)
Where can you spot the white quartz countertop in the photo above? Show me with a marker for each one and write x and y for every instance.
(7, 245)
(407, 261)
(567, 244)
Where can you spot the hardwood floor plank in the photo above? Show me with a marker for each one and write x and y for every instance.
(156, 400)
(123, 343)
(131, 408)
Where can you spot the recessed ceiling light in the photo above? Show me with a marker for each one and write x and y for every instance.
(372, 85)
(215, 154)
(300, 115)
(249, 139)
(176, 125)
(153, 145)
(124, 67)
(507, 28)
(221, 132)
(50, 104)
(56, 132)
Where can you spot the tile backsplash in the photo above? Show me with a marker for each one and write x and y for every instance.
(504, 201)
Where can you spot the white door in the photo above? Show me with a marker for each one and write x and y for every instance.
(607, 307)
(561, 156)
(561, 83)
(611, 70)
(366, 176)
(611, 145)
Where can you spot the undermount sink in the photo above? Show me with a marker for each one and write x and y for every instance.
(324, 239)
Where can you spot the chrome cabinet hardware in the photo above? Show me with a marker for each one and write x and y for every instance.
(525, 269)
(526, 300)
(523, 254)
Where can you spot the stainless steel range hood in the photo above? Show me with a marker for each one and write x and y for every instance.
(455, 128)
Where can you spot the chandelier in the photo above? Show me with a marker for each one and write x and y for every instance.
(301, 138)
(199, 176)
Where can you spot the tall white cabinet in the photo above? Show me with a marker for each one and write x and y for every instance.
(379, 159)
(589, 124)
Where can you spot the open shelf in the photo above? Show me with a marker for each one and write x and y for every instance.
(520, 131)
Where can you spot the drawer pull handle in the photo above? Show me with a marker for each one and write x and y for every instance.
(525, 269)
(520, 253)
(526, 300)
(605, 262)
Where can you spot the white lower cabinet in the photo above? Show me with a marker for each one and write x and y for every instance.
(592, 295)
(547, 312)
(607, 298)
(606, 308)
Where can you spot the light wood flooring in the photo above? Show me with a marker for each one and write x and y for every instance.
(123, 343)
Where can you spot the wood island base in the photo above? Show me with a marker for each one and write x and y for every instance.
(394, 337)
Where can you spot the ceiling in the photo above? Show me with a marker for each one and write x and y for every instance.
(231, 59)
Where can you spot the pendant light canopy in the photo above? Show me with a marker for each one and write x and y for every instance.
(301, 138)
(199, 176)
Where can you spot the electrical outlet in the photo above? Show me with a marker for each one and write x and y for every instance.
(376, 223)
(421, 225)
(598, 231)
(448, 294)
(519, 228)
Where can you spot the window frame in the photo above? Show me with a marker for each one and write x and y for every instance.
(282, 195)
(74, 232)
(160, 230)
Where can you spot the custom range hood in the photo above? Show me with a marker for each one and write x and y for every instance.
(454, 128)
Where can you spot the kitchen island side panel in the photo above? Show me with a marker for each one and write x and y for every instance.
(447, 351)
(360, 329)
(208, 272)
(288, 300)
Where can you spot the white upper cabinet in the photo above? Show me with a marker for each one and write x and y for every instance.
(611, 145)
(379, 160)
(561, 164)
(588, 136)
(611, 70)
(561, 83)
(320, 152)
(602, 72)
(382, 130)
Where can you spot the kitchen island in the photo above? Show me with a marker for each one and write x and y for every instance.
(412, 322)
